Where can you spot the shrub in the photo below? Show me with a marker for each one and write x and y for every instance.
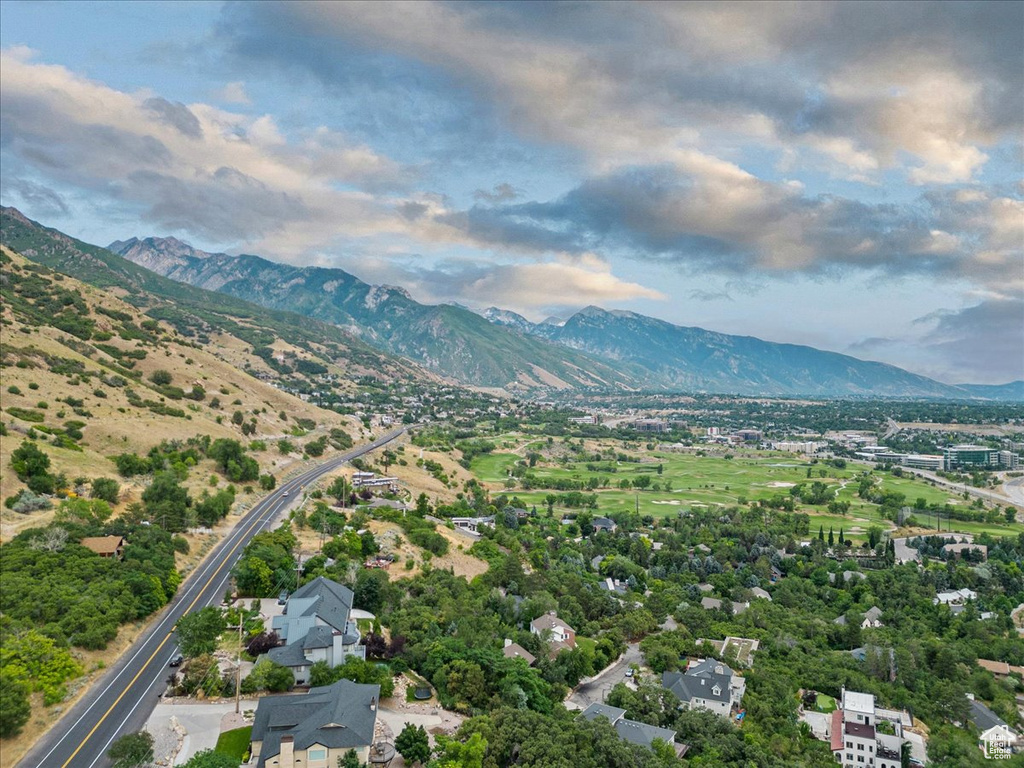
(161, 377)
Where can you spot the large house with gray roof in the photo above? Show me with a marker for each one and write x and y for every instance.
(708, 684)
(633, 731)
(315, 729)
(316, 626)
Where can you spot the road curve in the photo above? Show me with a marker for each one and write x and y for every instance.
(122, 700)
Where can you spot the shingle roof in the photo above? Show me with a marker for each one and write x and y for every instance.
(338, 716)
(516, 651)
(329, 600)
(642, 733)
(603, 710)
(700, 683)
(103, 545)
(548, 621)
(288, 655)
(983, 717)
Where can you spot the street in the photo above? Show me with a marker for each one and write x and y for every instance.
(123, 699)
(595, 690)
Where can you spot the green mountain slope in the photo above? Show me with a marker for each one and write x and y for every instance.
(450, 340)
(193, 311)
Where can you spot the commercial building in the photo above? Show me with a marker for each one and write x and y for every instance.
(970, 457)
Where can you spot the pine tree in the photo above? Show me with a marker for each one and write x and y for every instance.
(831, 538)
(821, 533)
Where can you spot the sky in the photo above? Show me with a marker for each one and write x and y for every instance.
(844, 175)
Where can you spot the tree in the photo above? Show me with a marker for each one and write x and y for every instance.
(15, 708)
(349, 760)
(456, 754)
(210, 758)
(161, 377)
(132, 751)
(167, 503)
(106, 488)
(369, 589)
(831, 537)
(413, 744)
(199, 631)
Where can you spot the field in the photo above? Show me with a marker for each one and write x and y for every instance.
(687, 481)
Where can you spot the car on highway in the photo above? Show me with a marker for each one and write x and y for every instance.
(176, 661)
(285, 493)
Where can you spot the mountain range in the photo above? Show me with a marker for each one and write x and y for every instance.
(593, 349)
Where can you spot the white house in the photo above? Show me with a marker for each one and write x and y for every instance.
(708, 684)
(855, 738)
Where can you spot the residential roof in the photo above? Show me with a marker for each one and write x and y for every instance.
(516, 651)
(328, 600)
(860, 730)
(873, 614)
(763, 594)
(103, 545)
(338, 716)
(854, 701)
(836, 733)
(999, 667)
(288, 655)
(700, 682)
(603, 710)
(643, 734)
(983, 717)
(549, 621)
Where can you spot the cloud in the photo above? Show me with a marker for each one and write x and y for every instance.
(502, 193)
(701, 295)
(923, 88)
(233, 93)
(713, 215)
(37, 196)
(985, 339)
(534, 289)
(217, 175)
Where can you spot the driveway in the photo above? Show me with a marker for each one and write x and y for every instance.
(182, 729)
(594, 690)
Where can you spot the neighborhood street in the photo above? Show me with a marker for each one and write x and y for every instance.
(122, 701)
(596, 689)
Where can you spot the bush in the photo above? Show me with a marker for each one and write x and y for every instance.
(161, 377)
(14, 390)
(106, 488)
(132, 751)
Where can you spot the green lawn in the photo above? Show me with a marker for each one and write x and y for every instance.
(825, 704)
(714, 481)
(235, 743)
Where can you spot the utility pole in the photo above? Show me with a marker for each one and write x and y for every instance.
(238, 662)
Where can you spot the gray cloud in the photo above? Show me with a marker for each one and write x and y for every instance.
(175, 114)
(701, 295)
(986, 338)
(501, 193)
(37, 196)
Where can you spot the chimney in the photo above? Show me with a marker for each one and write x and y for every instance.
(373, 703)
(507, 642)
(287, 757)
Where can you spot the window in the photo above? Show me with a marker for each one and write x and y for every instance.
(317, 754)
(860, 747)
(849, 745)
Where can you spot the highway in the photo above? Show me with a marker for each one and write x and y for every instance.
(123, 699)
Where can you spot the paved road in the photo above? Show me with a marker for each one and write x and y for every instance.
(122, 701)
(596, 690)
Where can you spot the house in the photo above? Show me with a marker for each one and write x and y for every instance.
(1000, 668)
(632, 731)
(604, 524)
(707, 684)
(316, 626)
(955, 597)
(855, 739)
(314, 730)
(561, 635)
(105, 546)
(760, 594)
(872, 619)
(713, 603)
(516, 651)
(958, 550)
(614, 587)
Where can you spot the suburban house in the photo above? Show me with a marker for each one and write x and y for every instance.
(958, 549)
(105, 546)
(632, 731)
(604, 524)
(316, 626)
(314, 730)
(612, 586)
(760, 594)
(955, 597)
(561, 635)
(991, 727)
(708, 684)
(713, 603)
(871, 620)
(855, 738)
(1000, 668)
(516, 651)
(471, 525)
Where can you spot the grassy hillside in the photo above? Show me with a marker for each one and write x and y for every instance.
(79, 365)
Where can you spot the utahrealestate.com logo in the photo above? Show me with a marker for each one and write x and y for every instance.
(997, 743)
